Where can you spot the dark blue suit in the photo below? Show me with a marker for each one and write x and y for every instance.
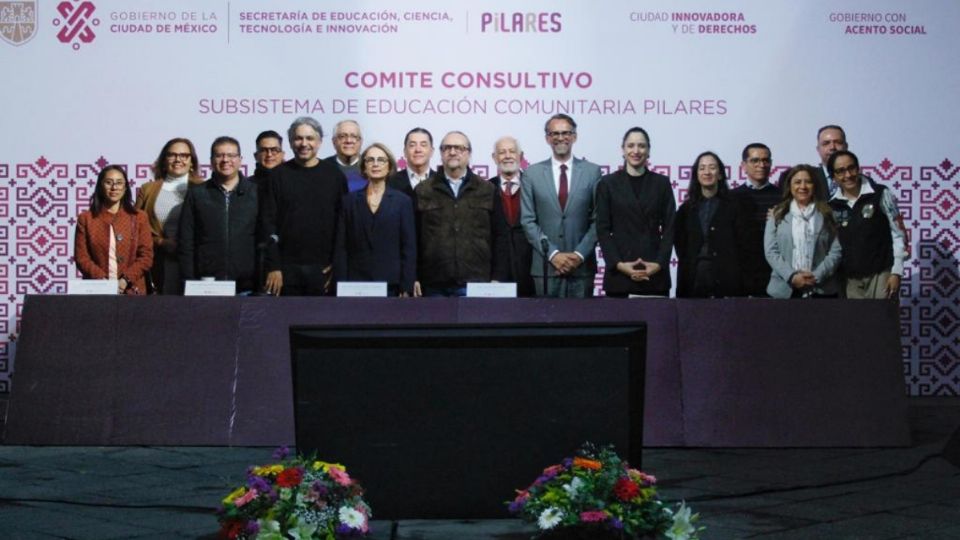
(380, 246)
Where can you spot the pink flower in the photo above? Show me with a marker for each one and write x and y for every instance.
(339, 475)
(245, 498)
(593, 516)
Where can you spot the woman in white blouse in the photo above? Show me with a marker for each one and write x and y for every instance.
(175, 169)
(800, 241)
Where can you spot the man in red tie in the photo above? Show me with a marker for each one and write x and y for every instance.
(557, 215)
(508, 156)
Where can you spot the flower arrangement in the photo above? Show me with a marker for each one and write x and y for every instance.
(599, 495)
(295, 498)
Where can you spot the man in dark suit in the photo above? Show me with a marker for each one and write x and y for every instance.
(830, 139)
(417, 150)
(508, 157)
(558, 205)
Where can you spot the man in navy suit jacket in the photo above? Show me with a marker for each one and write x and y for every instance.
(558, 214)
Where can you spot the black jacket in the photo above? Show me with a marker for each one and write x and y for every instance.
(461, 239)
(726, 244)
(219, 239)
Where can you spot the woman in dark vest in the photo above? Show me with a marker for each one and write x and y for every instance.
(873, 244)
(709, 234)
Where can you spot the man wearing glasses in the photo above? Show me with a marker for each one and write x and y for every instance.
(347, 141)
(218, 222)
(756, 196)
(269, 154)
(462, 232)
(298, 216)
(558, 212)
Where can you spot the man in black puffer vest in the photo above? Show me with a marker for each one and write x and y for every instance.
(873, 244)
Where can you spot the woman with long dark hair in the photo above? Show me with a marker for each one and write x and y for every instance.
(709, 234)
(113, 238)
(800, 240)
(175, 169)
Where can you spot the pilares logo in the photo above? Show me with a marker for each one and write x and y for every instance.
(521, 23)
(77, 22)
(18, 21)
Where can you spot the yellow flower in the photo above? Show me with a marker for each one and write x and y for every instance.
(325, 467)
(269, 470)
(234, 494)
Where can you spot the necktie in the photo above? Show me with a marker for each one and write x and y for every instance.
(563, 186)
(510, 187)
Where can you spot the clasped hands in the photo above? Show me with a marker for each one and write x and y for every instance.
(638, 270)
(565, 262)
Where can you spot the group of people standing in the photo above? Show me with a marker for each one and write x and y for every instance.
(299, 226)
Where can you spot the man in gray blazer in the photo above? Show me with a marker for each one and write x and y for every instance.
(558, 213)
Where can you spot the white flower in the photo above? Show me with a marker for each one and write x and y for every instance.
(550, 518)
(573, 487)
(351, 517)
(682, 527)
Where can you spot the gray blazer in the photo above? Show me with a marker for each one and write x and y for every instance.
(574, 228)
(778, 247)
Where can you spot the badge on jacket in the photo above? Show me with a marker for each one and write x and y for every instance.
(867, 211)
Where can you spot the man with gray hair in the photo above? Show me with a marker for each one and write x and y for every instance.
(299, 213)
(508, 156)
(347, 142)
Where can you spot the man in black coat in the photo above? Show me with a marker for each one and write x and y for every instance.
(218, 223)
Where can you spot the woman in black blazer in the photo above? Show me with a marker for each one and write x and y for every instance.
(635, 211)
(709, 236)
(376, 240)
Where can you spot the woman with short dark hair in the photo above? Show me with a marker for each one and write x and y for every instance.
(376, 237)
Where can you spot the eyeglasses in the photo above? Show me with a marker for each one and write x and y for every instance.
(347, 137)
(226, 155)
(269, 150)
(114, 183)
(758, 161)
(173, 156)
(560, 134)
(852, 169)
(459, 149)
(379, 159)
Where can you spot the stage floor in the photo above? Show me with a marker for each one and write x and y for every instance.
(168, 492)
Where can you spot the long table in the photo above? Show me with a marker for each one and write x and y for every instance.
(217, 371)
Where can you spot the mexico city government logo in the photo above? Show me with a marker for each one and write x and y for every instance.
(18, 21)
(77, 22)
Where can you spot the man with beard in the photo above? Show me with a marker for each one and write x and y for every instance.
(508, 156)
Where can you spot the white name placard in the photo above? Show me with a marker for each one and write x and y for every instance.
(209, 288)
(92, 286)
(368, 289)
(491, 290)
